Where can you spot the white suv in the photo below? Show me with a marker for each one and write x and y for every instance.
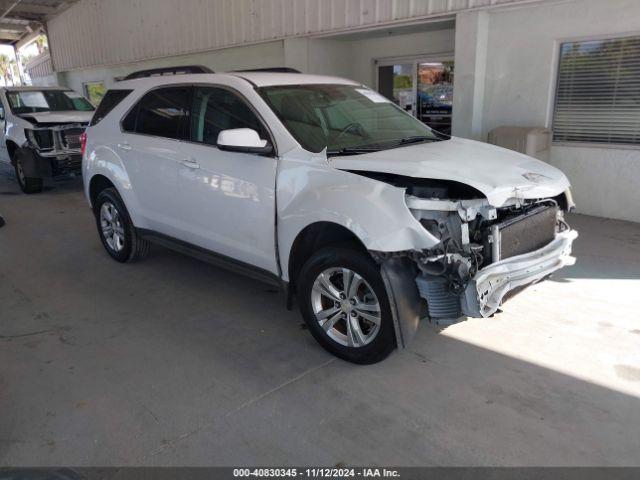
(365, 215)
(41, 128)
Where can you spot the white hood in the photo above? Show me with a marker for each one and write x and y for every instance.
(59, 117)
(498, 173)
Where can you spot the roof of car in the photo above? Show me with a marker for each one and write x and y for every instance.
(267, 79)
(26, 88)
(259, 79)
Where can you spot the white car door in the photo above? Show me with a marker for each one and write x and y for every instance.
(227, 198)
(152, 148)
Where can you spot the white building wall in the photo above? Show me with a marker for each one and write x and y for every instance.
(39, 66)
(110, 32)
(52, 80)
(322, 56)
(519, 85)
(235, 58)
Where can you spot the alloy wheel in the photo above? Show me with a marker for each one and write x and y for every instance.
(111, 225)
(346, 307)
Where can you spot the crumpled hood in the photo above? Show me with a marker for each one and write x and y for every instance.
(498, 173)
(59, 117)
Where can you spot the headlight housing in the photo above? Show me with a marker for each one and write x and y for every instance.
(42, 139)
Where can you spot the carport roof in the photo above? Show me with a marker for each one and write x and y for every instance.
(20, 18)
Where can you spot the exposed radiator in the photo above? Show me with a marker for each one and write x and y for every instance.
(524, 233)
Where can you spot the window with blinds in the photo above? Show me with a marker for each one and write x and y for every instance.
(598, 92)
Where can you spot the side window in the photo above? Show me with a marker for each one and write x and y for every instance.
(216, 109)
(94, 91)
(1, 111)
(129, 122)
(110, 101)
(162, 113)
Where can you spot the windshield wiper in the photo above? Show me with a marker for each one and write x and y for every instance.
(352, 150)
(416, 139)
(378, 147)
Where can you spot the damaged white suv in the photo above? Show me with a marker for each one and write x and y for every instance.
(41, 128)
(369, 218)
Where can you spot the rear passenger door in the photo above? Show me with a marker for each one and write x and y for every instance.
(227, 198)
(153, 149)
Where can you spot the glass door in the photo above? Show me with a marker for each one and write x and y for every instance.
(435, 95)
(422, 88)
(397, 83)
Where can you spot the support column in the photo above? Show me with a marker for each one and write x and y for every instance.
(472, 30)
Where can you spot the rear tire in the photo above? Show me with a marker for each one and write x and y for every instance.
(349, 316)
(27, 184)
(116, 230)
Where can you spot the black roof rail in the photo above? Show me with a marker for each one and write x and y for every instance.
(271, 69)
(179, 70)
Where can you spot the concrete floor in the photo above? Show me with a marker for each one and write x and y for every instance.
(174, 362)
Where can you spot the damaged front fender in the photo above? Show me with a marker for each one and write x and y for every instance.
(310, 191)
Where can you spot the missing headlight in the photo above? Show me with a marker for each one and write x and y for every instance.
(41, 139)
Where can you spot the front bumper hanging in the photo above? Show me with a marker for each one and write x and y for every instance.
(485, 292)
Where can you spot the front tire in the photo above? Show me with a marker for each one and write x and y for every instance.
(116, 231)
(345, 305)
(27, 184)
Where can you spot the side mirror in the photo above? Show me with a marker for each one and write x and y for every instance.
(244, 140)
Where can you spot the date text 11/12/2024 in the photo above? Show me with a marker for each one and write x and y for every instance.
(316, 473)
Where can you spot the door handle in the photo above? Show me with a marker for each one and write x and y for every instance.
(190, 164)
(124, 146)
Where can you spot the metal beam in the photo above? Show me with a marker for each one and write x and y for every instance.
(7, 10)
(20, 11)
(10, 36)
(30, 8)
(26, 38)
(14, 27)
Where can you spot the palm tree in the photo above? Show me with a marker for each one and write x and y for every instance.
(41, 44)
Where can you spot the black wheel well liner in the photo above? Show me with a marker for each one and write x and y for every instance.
(314, 237)
(11, 149)
(97, 184)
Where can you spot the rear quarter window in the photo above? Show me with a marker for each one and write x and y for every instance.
(110, 101)
(162, 112)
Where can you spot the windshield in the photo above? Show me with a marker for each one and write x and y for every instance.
(33, 101)
(344, 118)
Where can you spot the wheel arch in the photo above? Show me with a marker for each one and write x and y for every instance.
(101, 164)
(312, 238)
(11, 149)
(98, 183)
